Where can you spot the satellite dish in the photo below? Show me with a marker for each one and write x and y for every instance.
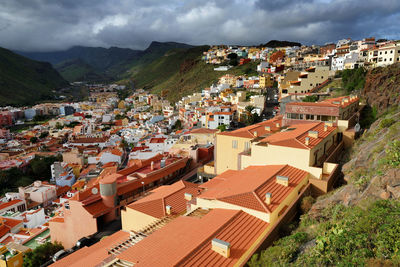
(95, 191)
(357, 128)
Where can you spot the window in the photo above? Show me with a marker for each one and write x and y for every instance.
(385, 52)
(391, 51)
(234, 144)
(247, 145)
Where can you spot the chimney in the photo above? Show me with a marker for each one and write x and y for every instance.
(221, 247)
(255, 134)
(268, 128)
(277, 125)
(346, 100)
(313, 134)
(329, 123)
(168, 209)
(307, 141)
(268, 198)
(188, 196)
(325, 127)
(283, 180)
(152, 166)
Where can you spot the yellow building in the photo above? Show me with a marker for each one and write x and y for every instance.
(266, 81)
(261, 191)
(230, 145)
(12, 255)
(121, 104)
(304, 146)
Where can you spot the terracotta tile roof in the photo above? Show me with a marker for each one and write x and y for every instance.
(187, 240)
(97, 208)
(241, 232)
(295, 135)
(57, 219)
(171, 195)
(90, 140)
(247, 188)
(93, 255)
(62, 190)
(326, 103)
(5, 205)
(260, 128)
(11, 223)
(157, 140)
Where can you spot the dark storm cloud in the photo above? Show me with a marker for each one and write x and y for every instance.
(59, 24)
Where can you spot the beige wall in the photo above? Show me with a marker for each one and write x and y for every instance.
(300, 158)
(288, 200)
(135, 220)
(227, 157)
(313, 78)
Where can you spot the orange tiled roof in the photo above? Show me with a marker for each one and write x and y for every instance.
(295, 135)
(187, 240)
(171, 195)
(260, 128)
(5, 205)
(93, 255)
(247, 188)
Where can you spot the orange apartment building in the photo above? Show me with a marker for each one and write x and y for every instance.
(88, 211)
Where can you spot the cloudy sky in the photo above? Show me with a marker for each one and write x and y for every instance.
(45, 25)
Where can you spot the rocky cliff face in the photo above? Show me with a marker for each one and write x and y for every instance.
(370, 172)
(382, 87)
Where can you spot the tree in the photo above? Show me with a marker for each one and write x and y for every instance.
(222, 127)
(33, 139)
(44, 135)
(40, 167)
(233, 59)
(59, 126)
(41, 254)
(310, 98)
(252, 117)
(177, 125)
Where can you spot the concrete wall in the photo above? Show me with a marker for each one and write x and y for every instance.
(135, 220)
(77, 226)
(227, 158)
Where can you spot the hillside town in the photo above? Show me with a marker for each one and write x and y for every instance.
(208, 180)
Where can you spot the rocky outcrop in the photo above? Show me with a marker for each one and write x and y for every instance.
(365, 174)
(382, 87)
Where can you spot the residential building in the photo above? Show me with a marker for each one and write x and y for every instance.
(38, 194)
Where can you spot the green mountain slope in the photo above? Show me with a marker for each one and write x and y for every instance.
(25, 81)
(102, 64)
(181, 72)
(79, 70)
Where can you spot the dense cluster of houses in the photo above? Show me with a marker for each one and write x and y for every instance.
(184, 189)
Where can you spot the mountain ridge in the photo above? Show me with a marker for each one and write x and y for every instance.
(24, 81)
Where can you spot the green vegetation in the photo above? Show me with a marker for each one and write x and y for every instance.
(368, 116)
(342, 236)
(353, 79)
(222, 127)
(177, 126)
(24, 81)
(181, 72)
(310, 98)
(79, 70)
(101, 64)
(38, 169)
(41, 254)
